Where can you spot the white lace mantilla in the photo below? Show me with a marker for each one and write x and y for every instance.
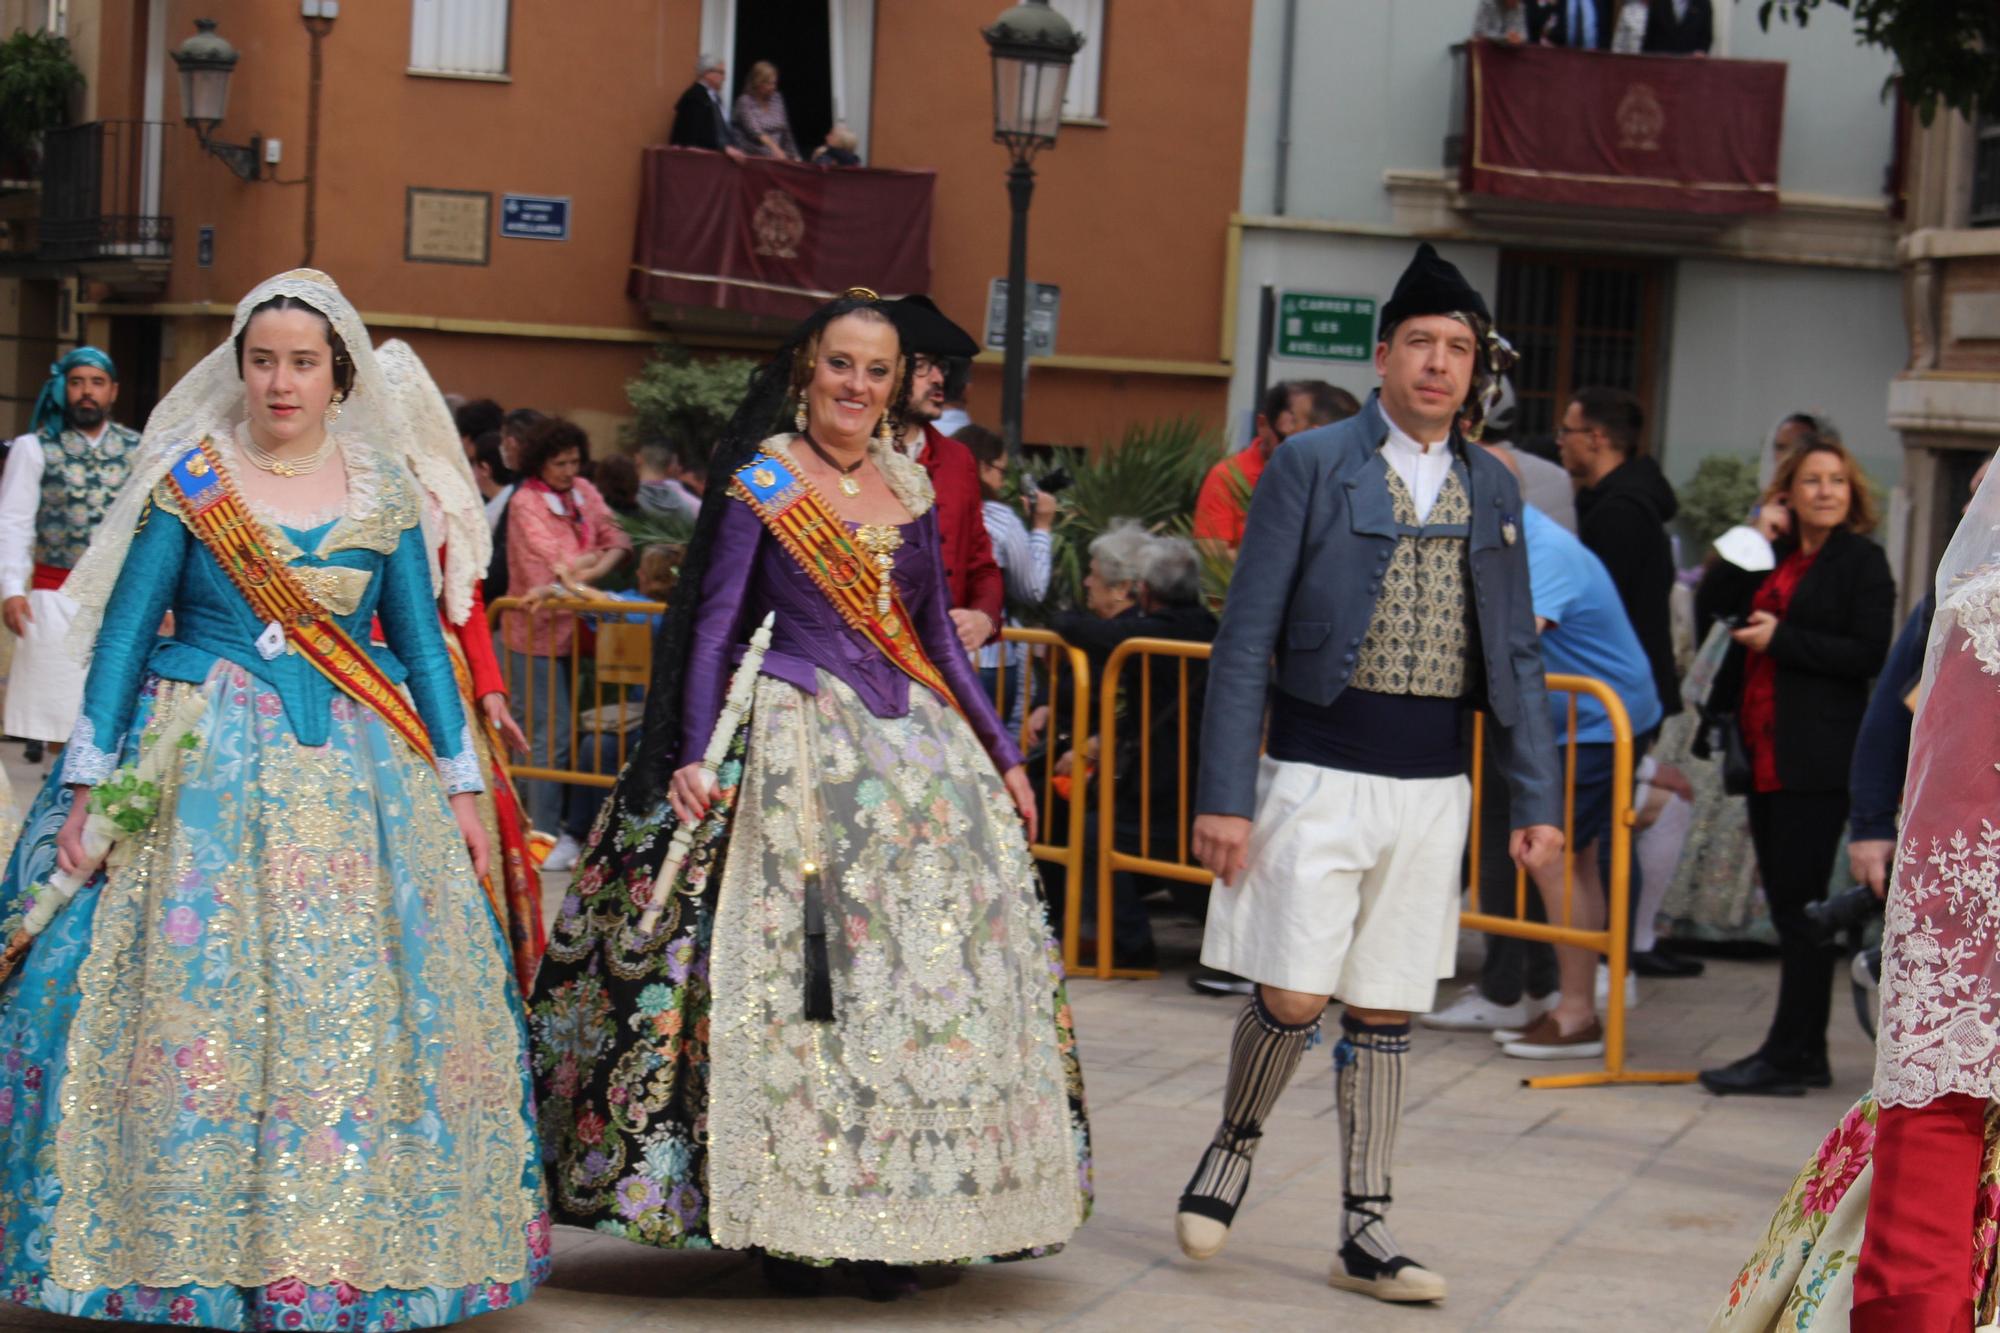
(83, 762)
(460, 771)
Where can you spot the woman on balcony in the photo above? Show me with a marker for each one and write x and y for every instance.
(266, 1070)
(763, 127)
(846, 1038)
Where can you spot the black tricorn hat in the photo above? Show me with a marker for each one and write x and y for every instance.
(1432, 285)
(924, 329)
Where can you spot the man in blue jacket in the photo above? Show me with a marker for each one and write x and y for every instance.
(1382, 592)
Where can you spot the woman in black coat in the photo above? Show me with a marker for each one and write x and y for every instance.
(1814, 631)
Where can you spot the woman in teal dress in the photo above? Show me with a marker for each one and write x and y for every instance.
(267, 1070)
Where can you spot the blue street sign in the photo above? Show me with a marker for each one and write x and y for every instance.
(534, 217)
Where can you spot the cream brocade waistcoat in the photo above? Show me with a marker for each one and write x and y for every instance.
(1419, 640)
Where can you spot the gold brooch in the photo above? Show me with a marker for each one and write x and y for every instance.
(764, 477)
(197, 466)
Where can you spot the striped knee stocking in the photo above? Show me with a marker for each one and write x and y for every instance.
(1262, 1056)
(1368, 1083)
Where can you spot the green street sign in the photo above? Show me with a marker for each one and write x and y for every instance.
(1326, 328)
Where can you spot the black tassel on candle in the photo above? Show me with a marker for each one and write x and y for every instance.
(819, 974)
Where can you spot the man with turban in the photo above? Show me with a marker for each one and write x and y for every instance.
(59, 479)
(1381, 594)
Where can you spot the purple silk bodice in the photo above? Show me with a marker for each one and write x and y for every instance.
(750, 574)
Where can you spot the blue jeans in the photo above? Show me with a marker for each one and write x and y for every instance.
(548, 738)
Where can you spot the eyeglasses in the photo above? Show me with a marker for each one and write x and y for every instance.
(922, 365)
(1574, 430)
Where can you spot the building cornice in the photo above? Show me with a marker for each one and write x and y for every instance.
(1949, 243)
(1945, 402)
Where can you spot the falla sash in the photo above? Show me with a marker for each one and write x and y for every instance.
(863, 594)
(220, 520)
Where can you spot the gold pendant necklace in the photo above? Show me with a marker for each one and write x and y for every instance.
(849, 484)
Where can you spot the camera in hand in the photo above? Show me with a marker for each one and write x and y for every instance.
(1846, 913)
(1057, 480)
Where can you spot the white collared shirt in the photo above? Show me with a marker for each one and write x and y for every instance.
(20, 501)
(1422, 469)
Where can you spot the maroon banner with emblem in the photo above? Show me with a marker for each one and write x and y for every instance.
(776, 238)
(1670, 133)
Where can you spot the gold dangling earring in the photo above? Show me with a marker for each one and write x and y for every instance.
(799, 417)
(886, 433)
(332, 411)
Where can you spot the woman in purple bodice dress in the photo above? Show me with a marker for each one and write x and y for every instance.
(847, 1037)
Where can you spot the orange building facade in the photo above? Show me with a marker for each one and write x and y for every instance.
(1131, 214)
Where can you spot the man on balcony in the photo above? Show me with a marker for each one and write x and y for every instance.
(59, 480)
(701, 119)
(973, 577)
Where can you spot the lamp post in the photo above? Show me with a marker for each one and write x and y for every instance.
(206, 60)
(1032, 47)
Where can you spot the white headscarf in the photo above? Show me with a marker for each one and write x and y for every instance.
(209, 401)
(437, 457)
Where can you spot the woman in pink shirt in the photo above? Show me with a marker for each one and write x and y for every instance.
(558, 527)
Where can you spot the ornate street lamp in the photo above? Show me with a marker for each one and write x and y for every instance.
(1032, 47)
(206, 60)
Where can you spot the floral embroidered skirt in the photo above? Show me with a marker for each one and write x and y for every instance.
(1802, 1276)
(269, 1072)
(686, 1099)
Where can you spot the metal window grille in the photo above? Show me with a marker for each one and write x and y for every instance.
(1986, 172)
(96, 203)
(1577, 322)
(459, 36)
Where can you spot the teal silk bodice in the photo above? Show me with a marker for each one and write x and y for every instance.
(369, 563)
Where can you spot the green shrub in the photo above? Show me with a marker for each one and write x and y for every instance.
(37, 77)
(1716, 498)
(686, 402)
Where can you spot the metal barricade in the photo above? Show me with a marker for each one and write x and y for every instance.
(1067, 852)
(1109, 859)
(609, 667)
(1613, 940)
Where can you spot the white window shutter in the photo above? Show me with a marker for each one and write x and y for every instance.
(1086, 72)
(459, 36)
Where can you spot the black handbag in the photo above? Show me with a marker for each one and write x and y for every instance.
(1738, 777)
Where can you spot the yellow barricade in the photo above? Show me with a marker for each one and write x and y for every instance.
(1109, 859)
(1064, 846)
(621, 663)
(1613, 940)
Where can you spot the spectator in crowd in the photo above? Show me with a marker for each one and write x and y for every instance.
(700, 119)
(1024, 554)
(972, 579)
(957, 383)
(1508, 21)
(1290, 406)
(666, 488)
(1680, 27)
(1813, 631)
(1623, 504)
(1543, 484)
(839, 148)
(1882, 749)
(1585, 632)
(559, 531)
(762, 126)
(611, 731)
(474, 419)
(1791, 431)
(1586, 24)
(496, 483)
(513, 426)
(1140, 586)
(617, 480)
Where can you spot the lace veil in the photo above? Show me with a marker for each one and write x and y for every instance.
(209, 401)
(438, 460)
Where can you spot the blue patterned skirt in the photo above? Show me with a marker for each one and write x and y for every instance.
(262, 1075)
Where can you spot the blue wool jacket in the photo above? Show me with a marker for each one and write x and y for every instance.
(1320, 531)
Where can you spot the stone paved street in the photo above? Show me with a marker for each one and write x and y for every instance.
(1618, 1208)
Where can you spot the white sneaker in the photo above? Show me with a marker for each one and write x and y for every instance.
(1604, 989)
(1473, 1012)
(564, 855)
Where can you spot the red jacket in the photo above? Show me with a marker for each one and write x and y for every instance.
(969, 568)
